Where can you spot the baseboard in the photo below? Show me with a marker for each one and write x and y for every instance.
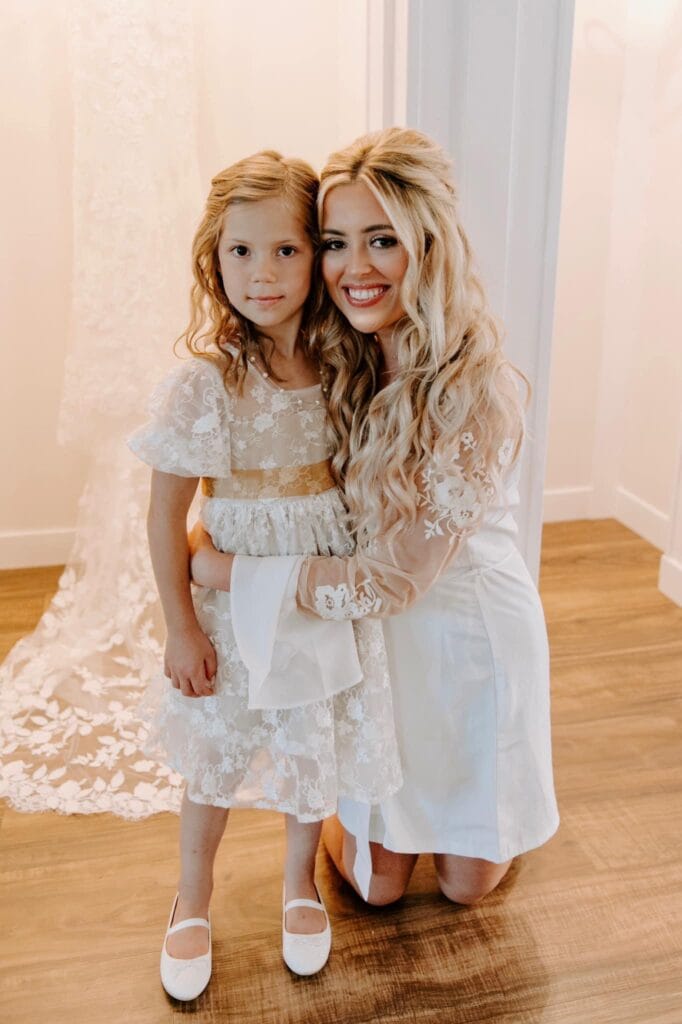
(23, 549)
(670, 579)
(565, 503)
(643, 518)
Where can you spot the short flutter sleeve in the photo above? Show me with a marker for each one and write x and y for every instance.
(188, 433)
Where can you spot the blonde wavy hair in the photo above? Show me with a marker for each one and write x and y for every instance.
(455, 401)
(214, 322)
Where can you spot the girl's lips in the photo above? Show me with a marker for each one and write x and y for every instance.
(369, 295)
(266, 300)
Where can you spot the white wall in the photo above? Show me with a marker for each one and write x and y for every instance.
(40, 481)
(290, 76)
(616, 387)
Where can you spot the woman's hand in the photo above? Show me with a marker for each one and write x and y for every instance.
(208, 566)
(190, 661)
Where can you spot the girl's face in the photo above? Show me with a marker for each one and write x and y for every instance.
(266, 261)
(363, 262)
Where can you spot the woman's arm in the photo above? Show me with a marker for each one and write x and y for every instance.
(189, 660)
(381, 582)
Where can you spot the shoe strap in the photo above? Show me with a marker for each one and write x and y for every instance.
(313, 904)
(191, 922)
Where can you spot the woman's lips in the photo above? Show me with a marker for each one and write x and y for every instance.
(368, 295)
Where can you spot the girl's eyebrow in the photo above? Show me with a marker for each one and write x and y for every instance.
(284, 241)
(365, 231)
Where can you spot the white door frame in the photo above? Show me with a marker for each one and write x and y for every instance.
(489, 80)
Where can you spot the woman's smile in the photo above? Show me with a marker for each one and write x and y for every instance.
(365, 295)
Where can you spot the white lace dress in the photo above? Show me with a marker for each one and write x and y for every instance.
(263, 459)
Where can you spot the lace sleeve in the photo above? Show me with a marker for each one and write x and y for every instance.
(387, 578)
(188, 432)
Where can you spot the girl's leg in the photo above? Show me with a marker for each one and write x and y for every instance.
(299, 875)
(391, 872)
(467, 879)
(201, 829)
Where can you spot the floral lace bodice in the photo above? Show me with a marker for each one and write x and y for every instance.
(198, 429)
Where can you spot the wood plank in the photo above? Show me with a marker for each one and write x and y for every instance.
(585, 930)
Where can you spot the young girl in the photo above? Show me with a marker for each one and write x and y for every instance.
(246, 415)
(429, 426)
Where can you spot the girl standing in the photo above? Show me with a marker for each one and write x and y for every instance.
(428, 426)
(246, 416)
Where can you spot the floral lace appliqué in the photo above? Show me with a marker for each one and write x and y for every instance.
(452, 496)
(340, 603)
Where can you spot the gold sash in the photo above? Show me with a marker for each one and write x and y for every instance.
(285, 482)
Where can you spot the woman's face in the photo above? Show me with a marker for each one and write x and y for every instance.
(363, 261)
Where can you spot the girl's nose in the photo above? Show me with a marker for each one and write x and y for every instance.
(263, 270)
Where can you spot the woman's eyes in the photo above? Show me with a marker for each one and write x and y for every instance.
(332, 245)
(383, 241)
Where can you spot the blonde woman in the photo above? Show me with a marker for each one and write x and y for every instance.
(428, 426)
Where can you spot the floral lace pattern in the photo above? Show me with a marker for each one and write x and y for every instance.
(384, 579)
(301, 759)
(70, 740)
(340, 603)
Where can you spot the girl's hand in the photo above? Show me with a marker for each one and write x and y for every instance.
(190, 662)
(208, 566)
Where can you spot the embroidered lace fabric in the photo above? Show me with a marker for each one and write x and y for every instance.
(301, 759)
(69, 737)
(388, 578)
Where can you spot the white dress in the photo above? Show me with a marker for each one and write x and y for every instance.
(468, 659)
(318, 734)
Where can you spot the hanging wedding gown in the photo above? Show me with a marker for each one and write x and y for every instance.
(69, 738)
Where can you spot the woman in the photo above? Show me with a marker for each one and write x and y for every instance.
(428, 425)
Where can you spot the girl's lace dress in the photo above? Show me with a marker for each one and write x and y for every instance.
(263, 461)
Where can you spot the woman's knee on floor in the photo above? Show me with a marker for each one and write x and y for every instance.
(391, 873)
(467, 880)
(384, 890)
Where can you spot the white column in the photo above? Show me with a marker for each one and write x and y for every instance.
(489, 80)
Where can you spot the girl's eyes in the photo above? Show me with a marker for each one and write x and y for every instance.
(285, 250)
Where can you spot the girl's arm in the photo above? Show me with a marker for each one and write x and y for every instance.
(189, 661)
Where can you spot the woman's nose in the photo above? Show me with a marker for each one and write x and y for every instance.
(359, 262)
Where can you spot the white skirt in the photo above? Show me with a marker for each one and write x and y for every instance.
(469, 667)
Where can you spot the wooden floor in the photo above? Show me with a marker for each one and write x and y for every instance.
(586, 930)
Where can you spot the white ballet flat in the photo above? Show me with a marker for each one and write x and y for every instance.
(305, 954)
(185, 979)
